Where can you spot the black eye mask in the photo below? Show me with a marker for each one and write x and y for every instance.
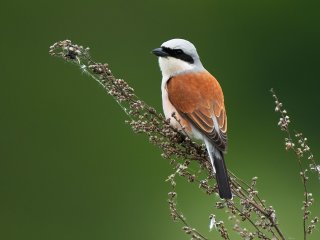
(179, 54)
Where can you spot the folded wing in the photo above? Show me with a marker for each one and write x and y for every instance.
(199, 98)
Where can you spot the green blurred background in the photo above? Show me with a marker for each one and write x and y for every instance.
(71, 169)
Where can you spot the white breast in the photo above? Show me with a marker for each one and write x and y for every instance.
(168, 108)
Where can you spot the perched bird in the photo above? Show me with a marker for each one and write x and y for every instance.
(196, 98)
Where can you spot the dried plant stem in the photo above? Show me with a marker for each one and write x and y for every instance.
(176, 215)
(180, 150)
(300, 149)
(174, 143)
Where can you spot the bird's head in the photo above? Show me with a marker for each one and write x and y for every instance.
(177, 56)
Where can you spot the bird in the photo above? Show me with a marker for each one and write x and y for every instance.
(193, 101)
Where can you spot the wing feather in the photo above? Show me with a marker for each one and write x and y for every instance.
(199, 98)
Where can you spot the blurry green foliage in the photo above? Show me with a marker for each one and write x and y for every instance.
(71, 169)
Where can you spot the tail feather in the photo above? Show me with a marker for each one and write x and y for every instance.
(220, 170)
(222, 177)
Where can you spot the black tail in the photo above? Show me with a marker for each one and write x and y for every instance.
(222, 177)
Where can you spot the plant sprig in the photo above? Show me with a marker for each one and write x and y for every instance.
(246, 205)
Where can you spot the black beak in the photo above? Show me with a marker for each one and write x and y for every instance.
(159, 52)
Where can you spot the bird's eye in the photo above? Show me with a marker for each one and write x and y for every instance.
(179, 51)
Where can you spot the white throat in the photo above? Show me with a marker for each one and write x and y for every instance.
(172, 66)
